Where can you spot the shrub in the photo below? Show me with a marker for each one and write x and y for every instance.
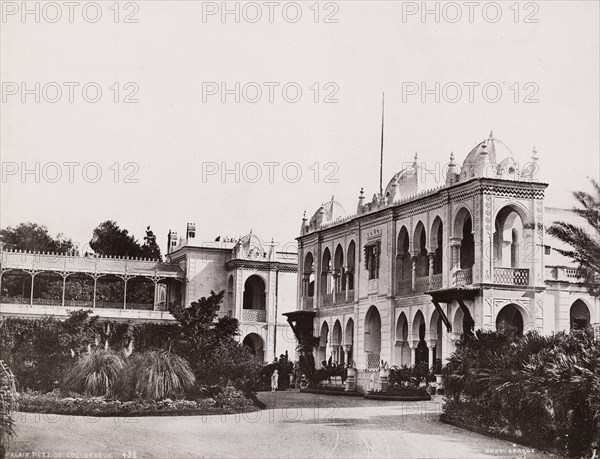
(95, 373)
(543, 388)
(410, 376)
(8, 404)
(155, 375)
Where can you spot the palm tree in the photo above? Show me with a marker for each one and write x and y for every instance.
(584, 242)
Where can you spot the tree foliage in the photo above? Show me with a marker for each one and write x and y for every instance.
(34, 237)
(109, 239)
(584, 242)
(209, 344)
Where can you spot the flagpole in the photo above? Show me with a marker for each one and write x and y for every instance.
(381, 158)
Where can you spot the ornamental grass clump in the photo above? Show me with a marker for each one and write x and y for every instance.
(95, 373)
(155, 375)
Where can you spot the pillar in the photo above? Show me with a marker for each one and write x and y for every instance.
(414, 272)
(431, 345)
(431, 256)
(155, 294)
(413, 352)
(64, 286)
(347, 289)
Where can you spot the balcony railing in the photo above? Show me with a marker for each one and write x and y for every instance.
(350, 296)
(422, 284)
(327, 300)
(511, 276)
(462, 277)
(373, 360)
(308, 302)
(436, 282)
(84, 304)
(254, 315)
(404, 286)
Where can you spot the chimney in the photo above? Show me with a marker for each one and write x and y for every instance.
(190, 232)
(171, 241)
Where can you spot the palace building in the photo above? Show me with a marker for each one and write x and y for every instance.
(259, 281)
(402, 278)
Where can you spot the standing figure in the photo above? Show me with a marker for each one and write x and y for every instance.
(274, 381)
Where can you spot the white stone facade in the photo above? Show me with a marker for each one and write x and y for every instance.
(401, 279)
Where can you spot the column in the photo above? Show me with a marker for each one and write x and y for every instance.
(32, 273)
(155, 294)
(413, 352)
(431, 256)
(414, 272)
(64, 286)
(347, 286)
(125, 280)
(454, 258)
(431, 345)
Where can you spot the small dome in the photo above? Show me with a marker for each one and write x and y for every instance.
(251, 246)
(327, 213)
(482, 160)
(403, 183)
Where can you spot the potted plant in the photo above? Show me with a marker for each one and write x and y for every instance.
(439, 376)
(351, 376)
(384, 374)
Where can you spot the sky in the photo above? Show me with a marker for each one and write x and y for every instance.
(148, 139)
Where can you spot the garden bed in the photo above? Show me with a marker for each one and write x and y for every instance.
(397, 398)
(331, 392)
(55, 403)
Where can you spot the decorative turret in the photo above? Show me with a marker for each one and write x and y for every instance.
(304, 225)
(532, 168)
(361, 200)
(453, 174)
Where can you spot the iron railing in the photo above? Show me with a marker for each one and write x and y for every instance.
(254, 315)
(373, 360)
(436, 282)
(404, 286)
(462, 277)
(511, 276)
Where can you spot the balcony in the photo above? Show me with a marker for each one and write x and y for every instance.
(373, 360)
(308, 302)
(254, 315)
(350, 298)
(327, 300)
(511, 276)
(462, 277)
(422, 284)
(404, 286)
(436, 282)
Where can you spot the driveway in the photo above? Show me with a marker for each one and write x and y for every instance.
(293, 425)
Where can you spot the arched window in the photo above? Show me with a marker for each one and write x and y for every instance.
(351, 264)
(510, 321)
(467, 245)
(372, 337)
(338, 269)
(508, 238)
(255, 345)
(437, 244)
(309, 275)
(326, 272)
(579, 315)
(254, 293)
